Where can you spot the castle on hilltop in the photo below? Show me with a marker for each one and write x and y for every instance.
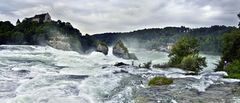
(41, 18)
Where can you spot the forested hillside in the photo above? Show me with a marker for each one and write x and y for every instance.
(210, 37)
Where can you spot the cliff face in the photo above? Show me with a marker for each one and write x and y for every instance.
(60, 42)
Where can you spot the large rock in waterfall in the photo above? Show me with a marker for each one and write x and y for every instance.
(119, 50)
(102, 47)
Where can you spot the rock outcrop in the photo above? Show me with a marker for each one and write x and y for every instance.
(120, 64)
(119, 50)
(64, 42)
(102, 47)
(60, 42)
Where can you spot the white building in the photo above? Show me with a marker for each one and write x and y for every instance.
(41, 18)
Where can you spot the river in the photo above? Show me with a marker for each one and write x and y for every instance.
(41, 74)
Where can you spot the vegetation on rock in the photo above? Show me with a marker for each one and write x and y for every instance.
(158, 81)
(230, 60)
(147, 65)
(185, 54)
(231, 46)
(182, 48)
(193, 63)
(233, 69)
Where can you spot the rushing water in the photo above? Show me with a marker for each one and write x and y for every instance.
(37, 74)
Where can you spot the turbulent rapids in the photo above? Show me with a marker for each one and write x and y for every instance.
(41, 74)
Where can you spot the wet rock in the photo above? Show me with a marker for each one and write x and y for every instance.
(236, 91)
(121, 71)
(29, 77)
(179, 92)
(119, 50)
(77, 76)
(102, 47)
(23, 71)
(120, 64)
(104, 67)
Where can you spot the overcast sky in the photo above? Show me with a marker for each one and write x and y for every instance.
(97, 16)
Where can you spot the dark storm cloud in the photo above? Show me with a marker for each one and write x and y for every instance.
(93, 16)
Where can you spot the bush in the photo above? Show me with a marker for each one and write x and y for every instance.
(184, 54)
(230, 60)
(193, 63)
(183, 47)
(231, 47)
(233, 69)
(158, 81)
(147, 65)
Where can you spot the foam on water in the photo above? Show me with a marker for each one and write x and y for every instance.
(41, 74)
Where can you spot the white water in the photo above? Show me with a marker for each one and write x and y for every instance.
(36, 74)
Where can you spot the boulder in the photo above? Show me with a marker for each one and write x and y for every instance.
(102, 47)
(120, 64)
(119, 50)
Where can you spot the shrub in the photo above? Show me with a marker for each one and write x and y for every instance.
(233, 69)
(184, 54)
(147, 65)
(183, 47)
(193, 63)
(158, 81)
(231, 48)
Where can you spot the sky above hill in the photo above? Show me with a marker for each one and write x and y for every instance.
(97, 16)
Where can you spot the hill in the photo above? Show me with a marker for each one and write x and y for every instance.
(38, 30)
(160, 38)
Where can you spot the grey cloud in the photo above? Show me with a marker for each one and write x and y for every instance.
(95, 16)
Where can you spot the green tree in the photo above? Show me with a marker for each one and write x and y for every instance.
(231, 54)
(233, 69)
(231, 46)
(6, 26)
(183, 47)
(185, 54)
